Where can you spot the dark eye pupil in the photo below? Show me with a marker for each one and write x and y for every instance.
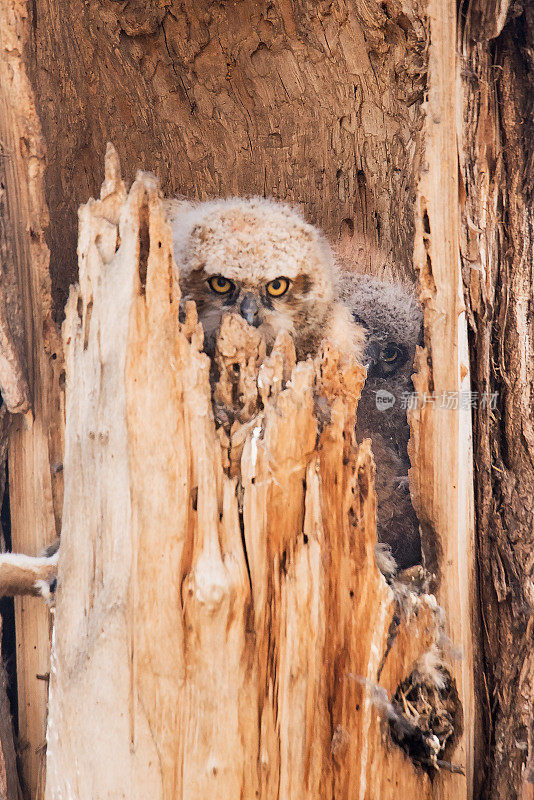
(221, 283)
(276, 284)
(390, 352)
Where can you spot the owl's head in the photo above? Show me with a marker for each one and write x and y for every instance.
(257, 258)
(392, 318)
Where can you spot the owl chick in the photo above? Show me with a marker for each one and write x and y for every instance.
(262, 260)
(392, 319)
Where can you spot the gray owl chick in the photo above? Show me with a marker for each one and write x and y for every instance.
(262, 260)
(392, 318)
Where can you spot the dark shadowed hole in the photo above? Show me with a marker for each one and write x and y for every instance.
(7, 611)
(346, 229)
(144, 246)
(424, 711)
(87, 326)
(243, 542)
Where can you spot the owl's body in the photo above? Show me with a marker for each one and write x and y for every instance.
(392, 319)
(262, 260)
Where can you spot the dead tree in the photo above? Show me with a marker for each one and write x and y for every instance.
(220, 616)
(219, 641)
(352, 109)
(496, 162)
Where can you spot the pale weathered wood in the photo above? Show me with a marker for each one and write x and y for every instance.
(197, 654)
(441, 446)
(35, 445)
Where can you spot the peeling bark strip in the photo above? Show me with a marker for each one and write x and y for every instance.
(497, 166)
(14, 386)
(200, 651)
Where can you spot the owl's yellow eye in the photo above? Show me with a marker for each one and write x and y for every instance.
(278, 287)
(390, 353)
(221, 285)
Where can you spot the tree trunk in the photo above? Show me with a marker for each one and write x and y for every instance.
(28, 372)
(352, 110)
(219, 643)
(496, 159)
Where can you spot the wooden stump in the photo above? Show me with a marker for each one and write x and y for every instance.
(221, 626)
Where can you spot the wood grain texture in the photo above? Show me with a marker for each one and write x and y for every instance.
(36, 441)
(213, 652)
(13, 376)
(441, 477)
(313, 103)
(320, 104)
(496, 136)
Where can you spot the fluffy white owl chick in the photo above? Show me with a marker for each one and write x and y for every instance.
(261, 259)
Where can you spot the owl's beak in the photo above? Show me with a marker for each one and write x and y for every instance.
(371, 354)
(249, 310)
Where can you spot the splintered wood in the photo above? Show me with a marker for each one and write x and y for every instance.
(221, 629)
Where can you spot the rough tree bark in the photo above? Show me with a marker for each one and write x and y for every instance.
(496, 136)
